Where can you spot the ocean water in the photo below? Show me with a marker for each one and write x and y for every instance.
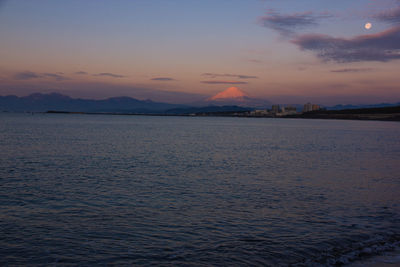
(196, 191)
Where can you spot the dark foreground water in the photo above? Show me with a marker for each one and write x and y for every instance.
(123, 190)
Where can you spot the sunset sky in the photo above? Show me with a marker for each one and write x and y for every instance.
(286, 51)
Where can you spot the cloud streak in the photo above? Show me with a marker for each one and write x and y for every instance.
(165, 79)
(81, 73)
(28, 75)
(108, 74)
(390, 16)
(223, 82)
(288, 24)
(239, 76)
(352, 70)
(383, 46)
(55, 76)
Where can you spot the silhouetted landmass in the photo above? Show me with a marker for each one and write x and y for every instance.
(209, 110)
(380, 110)
(383, 113)
(381, 105)
(57, 102)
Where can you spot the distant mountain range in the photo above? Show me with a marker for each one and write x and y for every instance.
(38, 102)
(57, 102)
(230, 100)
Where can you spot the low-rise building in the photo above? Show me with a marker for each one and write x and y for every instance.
(289, 110)
(275, 109)
(310, 107)
(259, 112)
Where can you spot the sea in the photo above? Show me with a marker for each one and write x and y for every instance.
(113, 190)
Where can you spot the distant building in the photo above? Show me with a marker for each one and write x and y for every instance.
(310, 107)
(307, 107)
(259, 112)
(289, 110)
(275, 109)
(283, 111)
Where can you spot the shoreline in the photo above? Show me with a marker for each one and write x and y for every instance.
(394, 117)
(333, 116)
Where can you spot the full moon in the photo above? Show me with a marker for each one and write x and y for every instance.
(368, 25)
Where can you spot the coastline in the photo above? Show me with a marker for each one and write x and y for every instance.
(338, 116)
(331, 116)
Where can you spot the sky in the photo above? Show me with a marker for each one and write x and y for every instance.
(181, 51)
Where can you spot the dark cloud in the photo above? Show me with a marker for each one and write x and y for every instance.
(55, 76)
(163, 79)
(352, 70)
(383, 46)
(107, 74)
(81, 73)
(26, 75)
(223, 82)
(390, 16)
(239, 76)
(288, 24)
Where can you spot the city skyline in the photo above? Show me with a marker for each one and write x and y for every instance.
(183, 51)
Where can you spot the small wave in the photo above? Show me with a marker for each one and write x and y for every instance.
(354, 252)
